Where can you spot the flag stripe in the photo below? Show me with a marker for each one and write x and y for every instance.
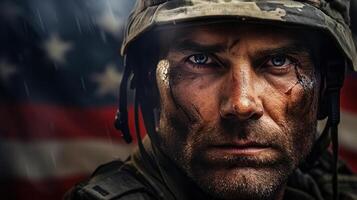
(39, 121)
(347, 128)
(37, 160)
(350, 157)
(349, 94)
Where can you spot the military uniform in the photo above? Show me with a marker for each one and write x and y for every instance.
(155, 177)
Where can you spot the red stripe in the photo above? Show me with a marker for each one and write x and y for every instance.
(53, 189)
(349, 103)
(349, 94)
(350, 158)
(38, 121)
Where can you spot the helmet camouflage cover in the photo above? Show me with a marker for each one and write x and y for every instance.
(330, 16)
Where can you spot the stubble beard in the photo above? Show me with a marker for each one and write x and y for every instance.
(237, 177)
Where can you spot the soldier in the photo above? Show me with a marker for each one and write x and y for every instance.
(231, 92)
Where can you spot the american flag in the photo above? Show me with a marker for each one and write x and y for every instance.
(59, 77)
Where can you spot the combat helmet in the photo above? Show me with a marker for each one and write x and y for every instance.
(330, 17)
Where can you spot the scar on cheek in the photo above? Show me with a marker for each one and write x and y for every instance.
(307, 83)
(303, 100)
(305, 80)
(162, 73)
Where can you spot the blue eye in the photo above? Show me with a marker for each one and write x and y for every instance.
(279, 61)
(199, 59)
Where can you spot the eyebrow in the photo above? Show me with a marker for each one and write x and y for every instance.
(190, 45)
(293, 48)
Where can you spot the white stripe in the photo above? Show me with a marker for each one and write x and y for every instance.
(348, 130)
(38, 160)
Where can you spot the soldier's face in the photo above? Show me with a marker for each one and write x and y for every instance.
(238, 107)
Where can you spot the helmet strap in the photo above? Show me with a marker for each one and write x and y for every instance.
(335, 77)
(121, 118)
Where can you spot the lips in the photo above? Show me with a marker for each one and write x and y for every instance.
(241, 148)
(240, 154)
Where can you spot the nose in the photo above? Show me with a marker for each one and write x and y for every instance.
(241, 99)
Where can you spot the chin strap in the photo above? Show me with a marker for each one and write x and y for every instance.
(334, 116)
(131, 75)
(121, 118)
(121, 122)
(335, 77)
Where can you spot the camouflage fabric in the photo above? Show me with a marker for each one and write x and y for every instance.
(331, 16)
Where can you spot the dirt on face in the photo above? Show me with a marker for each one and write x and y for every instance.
(238, 107)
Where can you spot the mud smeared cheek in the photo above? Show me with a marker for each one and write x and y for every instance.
(178, 111)
(184, 95)
(180, 114)
(162, 72)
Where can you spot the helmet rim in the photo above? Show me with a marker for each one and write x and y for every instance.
(278, 11)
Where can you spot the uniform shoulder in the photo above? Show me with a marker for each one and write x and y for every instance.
(112, 181)
(322, 174)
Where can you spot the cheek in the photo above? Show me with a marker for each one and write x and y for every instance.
(297, 108)
(187, 102)
(303, 102)
(193, 98)
(200, 95)
(297, 105)
(301, 115)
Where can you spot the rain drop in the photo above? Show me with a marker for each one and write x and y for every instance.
(83, 84)
(40, 20)
(53, 158)
(78, 25)
(27, 89)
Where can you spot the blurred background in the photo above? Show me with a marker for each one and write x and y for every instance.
(60, 70)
